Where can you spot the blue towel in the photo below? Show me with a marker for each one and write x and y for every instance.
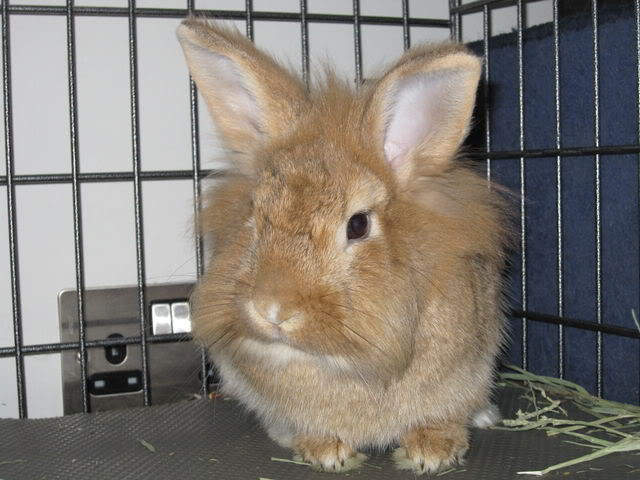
(619, 185)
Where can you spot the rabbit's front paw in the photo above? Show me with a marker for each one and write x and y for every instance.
(430, 449)
(327, 454)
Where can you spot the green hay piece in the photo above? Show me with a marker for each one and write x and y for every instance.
(580, 444)
(625, 445)
(372, 466)
(9, 462)
(611, 418)
(286, 460)
(635, 319)
(147, 445)
(444, 472)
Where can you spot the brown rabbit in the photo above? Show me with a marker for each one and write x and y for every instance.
(353, 298)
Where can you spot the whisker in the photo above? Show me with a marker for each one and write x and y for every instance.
(344, 324)
(362, 337)
(369, 389)
(221, 337)
(227, 304)
(187, 378)
(235, 352)
(353, 309)
(165, 278)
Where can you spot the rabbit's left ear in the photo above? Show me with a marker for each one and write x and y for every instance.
(421, 109)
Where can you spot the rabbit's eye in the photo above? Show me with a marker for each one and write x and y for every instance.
(358, 226)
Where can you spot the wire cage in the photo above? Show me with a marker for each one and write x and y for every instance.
(567, 147)
(136, 176)
(557, 122)
(565, 142)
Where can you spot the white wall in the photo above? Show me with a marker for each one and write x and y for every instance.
(41, 145)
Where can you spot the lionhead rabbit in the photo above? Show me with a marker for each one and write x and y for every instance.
(353, 294)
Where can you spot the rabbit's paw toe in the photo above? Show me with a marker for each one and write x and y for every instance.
(430, 449)
(327, 454)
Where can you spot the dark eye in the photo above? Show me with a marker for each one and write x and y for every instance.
(358, 226)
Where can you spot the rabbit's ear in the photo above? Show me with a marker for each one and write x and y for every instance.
(250, 97)
(421, 109)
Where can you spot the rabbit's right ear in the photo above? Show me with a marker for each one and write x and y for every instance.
(420, 111)
(249, 96)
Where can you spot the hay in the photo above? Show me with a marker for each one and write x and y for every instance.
(615, 427)
(286, 460)
(147, 445)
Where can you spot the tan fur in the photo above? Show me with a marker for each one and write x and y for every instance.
(377, 338)
(271, 82)
(428, 449)
(327, 454)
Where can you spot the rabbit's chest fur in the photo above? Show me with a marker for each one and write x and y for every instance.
(308, 394)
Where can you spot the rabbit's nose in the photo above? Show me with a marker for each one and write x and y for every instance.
(272, 311)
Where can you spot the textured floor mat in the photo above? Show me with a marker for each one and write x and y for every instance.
(204, 439)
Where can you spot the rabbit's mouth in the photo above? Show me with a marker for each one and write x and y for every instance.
(274, 353)
(281, 354)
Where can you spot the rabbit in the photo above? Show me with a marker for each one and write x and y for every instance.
(353, 297)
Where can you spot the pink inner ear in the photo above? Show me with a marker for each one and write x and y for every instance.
(418, 106)
(238, 96)
(219, 74)
(392, 152)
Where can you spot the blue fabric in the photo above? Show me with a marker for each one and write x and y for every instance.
(619, 177)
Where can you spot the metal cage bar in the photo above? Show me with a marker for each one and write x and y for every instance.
(478, 5)
(486, 35)
(169, 338)
(455, 20)
(103, 177)
(249, 18)
(137, 198)
(406, 30)
(357, 40)
(598, 232)
(11, 213)
(195, 174)
(554, 152)
(33, 179)
(523, 187)
(77, 209)
(304, 41)
(105, 342)
(556, 88)
(222, 14)
(637, 15)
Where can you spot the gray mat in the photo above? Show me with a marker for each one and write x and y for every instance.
(215, 439)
